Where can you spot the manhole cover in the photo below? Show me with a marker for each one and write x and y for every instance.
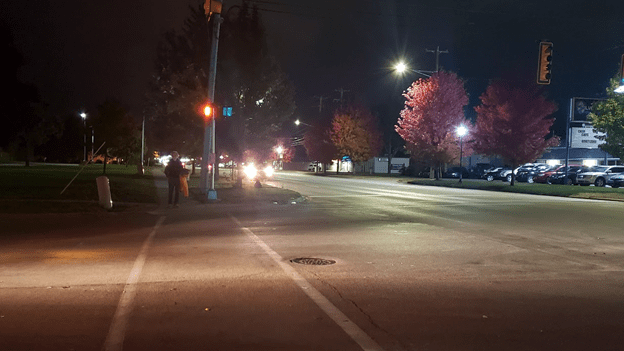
(313, 261)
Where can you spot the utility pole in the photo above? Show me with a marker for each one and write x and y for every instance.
(320, 103)
(213, 12)
(341, 91)
(437, 52)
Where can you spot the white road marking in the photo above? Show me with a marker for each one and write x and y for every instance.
(117, 331)
(357, 334)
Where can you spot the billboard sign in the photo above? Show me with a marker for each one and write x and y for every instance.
(585, 138)
(582, 108)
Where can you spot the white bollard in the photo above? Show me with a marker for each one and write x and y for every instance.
(104, 192)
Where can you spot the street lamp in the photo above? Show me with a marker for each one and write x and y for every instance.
(298, 122)
(280, 151)
(461, 131)
(84, 139)
(401, 67)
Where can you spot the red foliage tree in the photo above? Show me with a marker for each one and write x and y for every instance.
(434, 108)
(513, 123)
(283, 151)
(354, 132)
(318, 144)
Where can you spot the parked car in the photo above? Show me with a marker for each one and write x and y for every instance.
(544, 176)
(477, 171)
(454, 172)
(528, 173)
(598, 175)
(617, 180)
(498, 173)
(559, 176)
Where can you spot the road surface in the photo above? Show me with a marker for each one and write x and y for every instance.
(413, 268)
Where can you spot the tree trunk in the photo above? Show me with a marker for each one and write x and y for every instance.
(431, 172)
(105, 161)
(29, 152)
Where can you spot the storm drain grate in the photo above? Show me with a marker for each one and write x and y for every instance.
(313, 261)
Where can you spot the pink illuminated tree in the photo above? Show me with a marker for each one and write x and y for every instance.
(513, 122)
(434, 108)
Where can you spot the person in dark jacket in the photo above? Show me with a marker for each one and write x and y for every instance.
(173, 170)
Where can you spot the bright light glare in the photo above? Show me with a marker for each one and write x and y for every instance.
(250, 171)
(208, 111)
(590, 163)
(552, 162)
(268, 171)
(297, 122)
(461, 131)
(400, 67)
(83, 115)
(279, 149)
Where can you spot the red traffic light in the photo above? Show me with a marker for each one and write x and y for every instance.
(208, 110)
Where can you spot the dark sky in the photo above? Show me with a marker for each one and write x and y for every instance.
(79, 52)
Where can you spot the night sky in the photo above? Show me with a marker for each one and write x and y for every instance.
(80, 52)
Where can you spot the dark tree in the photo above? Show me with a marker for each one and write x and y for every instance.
(29, 122)
(118, 129)
(248, 79)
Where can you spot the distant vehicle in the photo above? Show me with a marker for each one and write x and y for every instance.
(528, 173)
(559, 176)
(498, 173)
(454, 172)
(598, 175)
(313, 166)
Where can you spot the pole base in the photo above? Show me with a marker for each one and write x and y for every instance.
(212, 194)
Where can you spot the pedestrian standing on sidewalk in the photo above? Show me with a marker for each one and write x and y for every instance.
(173, 170)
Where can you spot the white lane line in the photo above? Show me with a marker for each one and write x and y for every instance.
(357, 334)
(117, 332)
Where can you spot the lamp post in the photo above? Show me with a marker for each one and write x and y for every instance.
(84, 139)
(298, 122)
(401, 68)
(461, 131)
(280, 154)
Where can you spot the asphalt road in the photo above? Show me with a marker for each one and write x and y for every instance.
(416, 268)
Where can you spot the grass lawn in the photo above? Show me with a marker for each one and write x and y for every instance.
(22, 186)
(585, 192)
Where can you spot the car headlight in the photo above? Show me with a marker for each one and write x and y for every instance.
(268, 171)
(250, 171)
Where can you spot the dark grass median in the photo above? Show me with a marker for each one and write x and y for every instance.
(38, 188)
(575, 191)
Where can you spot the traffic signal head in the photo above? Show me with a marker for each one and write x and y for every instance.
(212, 6)
(544, 63)
(208, 111)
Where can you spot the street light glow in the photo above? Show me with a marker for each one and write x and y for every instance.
(461, 131)
(83, 115)
(400, 67)
(297, 122)
(279, 149)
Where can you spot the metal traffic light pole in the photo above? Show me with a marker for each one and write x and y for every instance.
(213, 9)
